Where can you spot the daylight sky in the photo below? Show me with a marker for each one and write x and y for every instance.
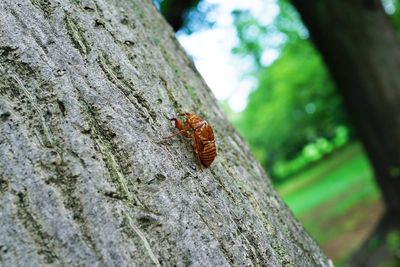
(211, 50)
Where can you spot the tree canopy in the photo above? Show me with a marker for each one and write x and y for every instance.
(295, 102)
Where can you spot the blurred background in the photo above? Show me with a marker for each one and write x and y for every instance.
(259, 60)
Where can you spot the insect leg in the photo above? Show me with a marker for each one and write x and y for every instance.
(183, 130)
(196, 154)
(197, 148)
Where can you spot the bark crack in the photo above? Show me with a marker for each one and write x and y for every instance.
(30, 30)
(115, 76)
(77, 37)
(48, 140)
(143, 239)
(4, 185)
(45, 246)
(45, 6)
(225, 250)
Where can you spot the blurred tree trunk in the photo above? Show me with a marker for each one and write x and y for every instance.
(176, 11)
(360, 48)
(86, 92)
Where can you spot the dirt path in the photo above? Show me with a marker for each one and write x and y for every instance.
(363, 217)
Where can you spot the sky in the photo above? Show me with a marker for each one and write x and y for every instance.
(211, 50)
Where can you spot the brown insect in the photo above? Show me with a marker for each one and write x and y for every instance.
(202, 136)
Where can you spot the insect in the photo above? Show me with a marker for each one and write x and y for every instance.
(201, 134)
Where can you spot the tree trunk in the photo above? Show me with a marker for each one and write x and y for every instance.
(360, 48)
(176, 11)
(87, 89)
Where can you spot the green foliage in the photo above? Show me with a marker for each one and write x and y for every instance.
(392, 8)
(311, 152)
(295, 102)
(393, 242)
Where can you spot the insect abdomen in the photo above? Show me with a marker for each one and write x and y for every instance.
(208, 154)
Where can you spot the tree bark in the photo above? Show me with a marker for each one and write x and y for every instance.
(87, 89)
(359, 45)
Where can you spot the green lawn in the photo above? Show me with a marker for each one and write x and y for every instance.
(333, 198)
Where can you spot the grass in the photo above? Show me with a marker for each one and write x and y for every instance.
(333, 199)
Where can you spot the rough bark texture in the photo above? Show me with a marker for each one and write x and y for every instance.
(86, 179)
(362, 52)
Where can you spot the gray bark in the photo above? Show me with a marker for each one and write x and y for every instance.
(86, 179)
